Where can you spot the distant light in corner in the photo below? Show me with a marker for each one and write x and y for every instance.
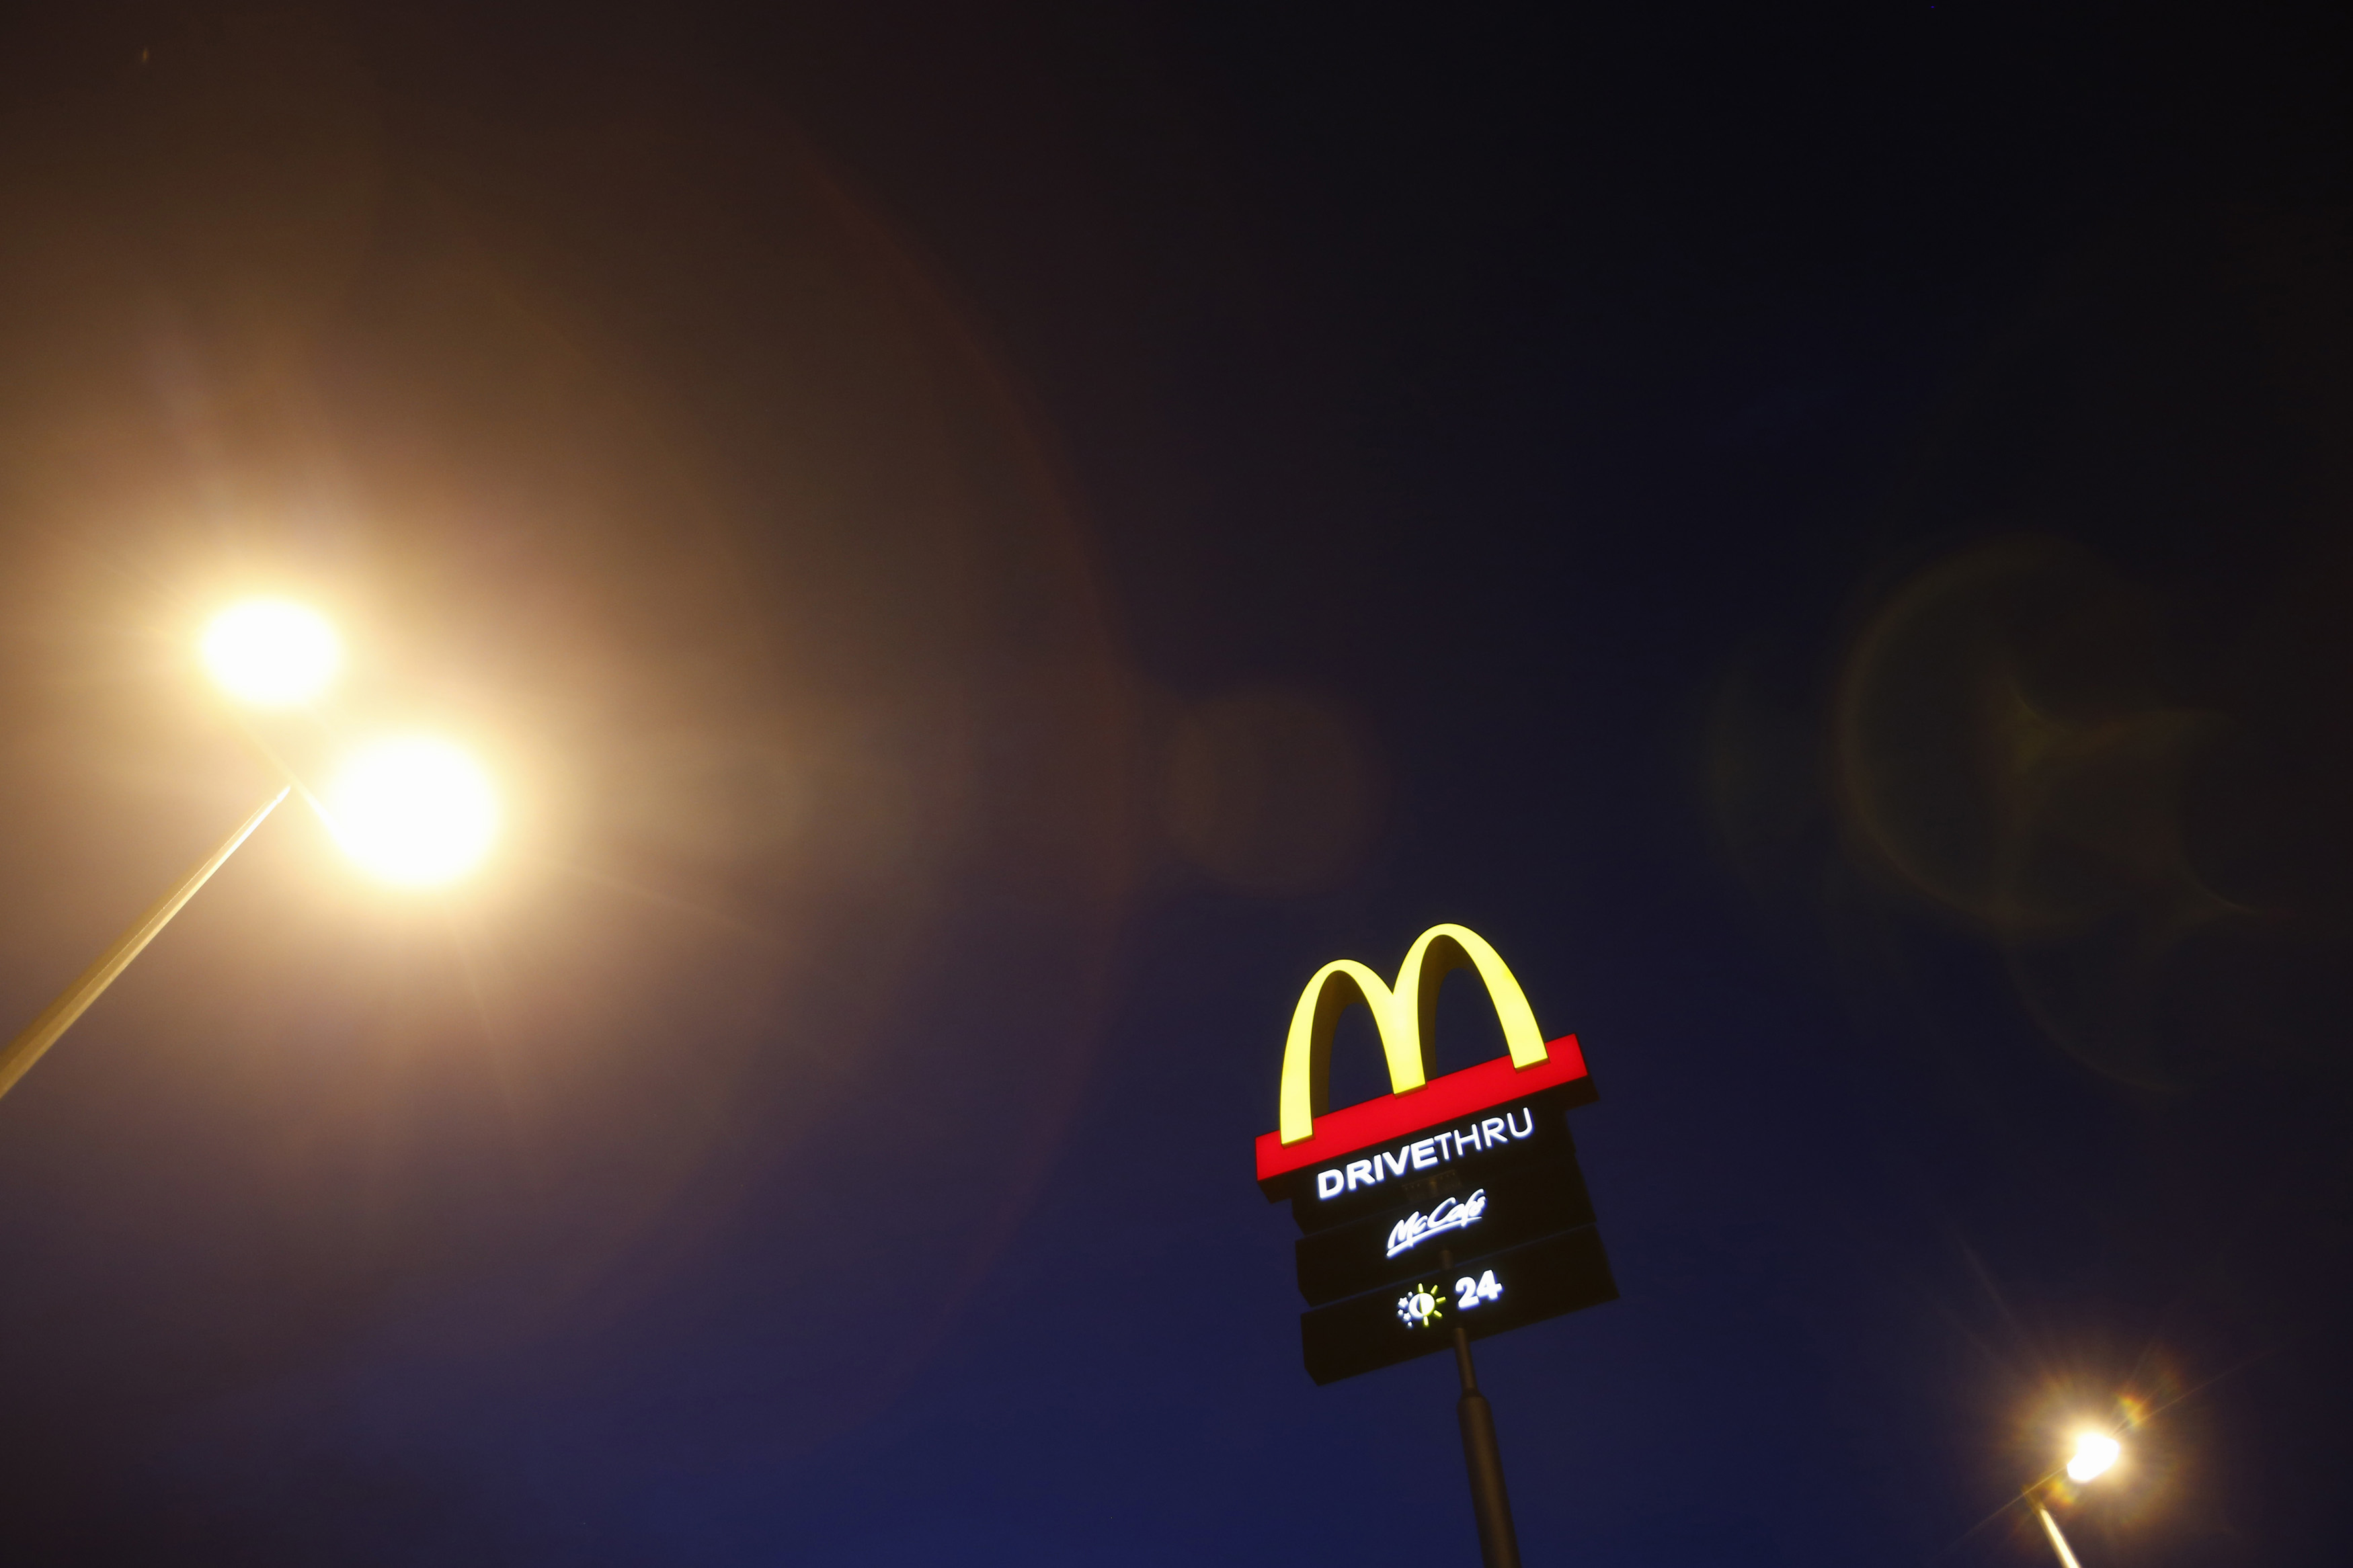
(413, 810)
(271, 652)
(2095, 1452)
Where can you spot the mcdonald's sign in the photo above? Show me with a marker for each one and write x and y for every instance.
(1450, 1206)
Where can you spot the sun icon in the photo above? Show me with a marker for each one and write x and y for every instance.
(1420, 1307)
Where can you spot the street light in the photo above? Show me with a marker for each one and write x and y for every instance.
(271, 653)
(413, 810)
(2096, 1453)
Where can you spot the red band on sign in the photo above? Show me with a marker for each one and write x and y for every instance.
(1457, 1094)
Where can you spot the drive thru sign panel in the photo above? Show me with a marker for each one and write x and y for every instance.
(1450, 1203)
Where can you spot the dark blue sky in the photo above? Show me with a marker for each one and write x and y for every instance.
(988, 546)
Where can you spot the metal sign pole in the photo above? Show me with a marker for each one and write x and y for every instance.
(1499, 1544)
(1499, 1547)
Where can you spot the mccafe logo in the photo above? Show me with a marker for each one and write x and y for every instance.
(1454, 1214)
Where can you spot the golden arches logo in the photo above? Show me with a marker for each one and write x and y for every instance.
(1402, 1015)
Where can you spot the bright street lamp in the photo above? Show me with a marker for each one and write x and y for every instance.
(2096, 1452)
(413, 810)
(271, 653)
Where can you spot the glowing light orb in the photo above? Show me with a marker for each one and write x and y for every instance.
(413, 810)
(271, 652)
(2095, 1452)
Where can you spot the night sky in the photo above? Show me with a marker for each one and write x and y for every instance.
(985, 543)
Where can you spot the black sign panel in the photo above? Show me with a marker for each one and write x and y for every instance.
(1450, 1213)
(1484, 1295)
(1480, 1220)
(1481, 1148)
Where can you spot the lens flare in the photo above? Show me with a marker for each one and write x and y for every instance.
(413, 810)
(271, 653)
(2095, 1452)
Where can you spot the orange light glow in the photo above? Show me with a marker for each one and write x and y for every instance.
(271, 653)
(413, 810)
(2095, 1452)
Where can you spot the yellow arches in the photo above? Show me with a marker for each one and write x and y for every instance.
(1403, 1017)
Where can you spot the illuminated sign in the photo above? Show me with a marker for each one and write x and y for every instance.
(1403, 1017)
(1470, 1292)
(1419, 1308)
(1422, 1154)
(1453, 1214)
(1478, 1146)
(1535, 1200)
(1460, 1192)
(1491, 1294)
